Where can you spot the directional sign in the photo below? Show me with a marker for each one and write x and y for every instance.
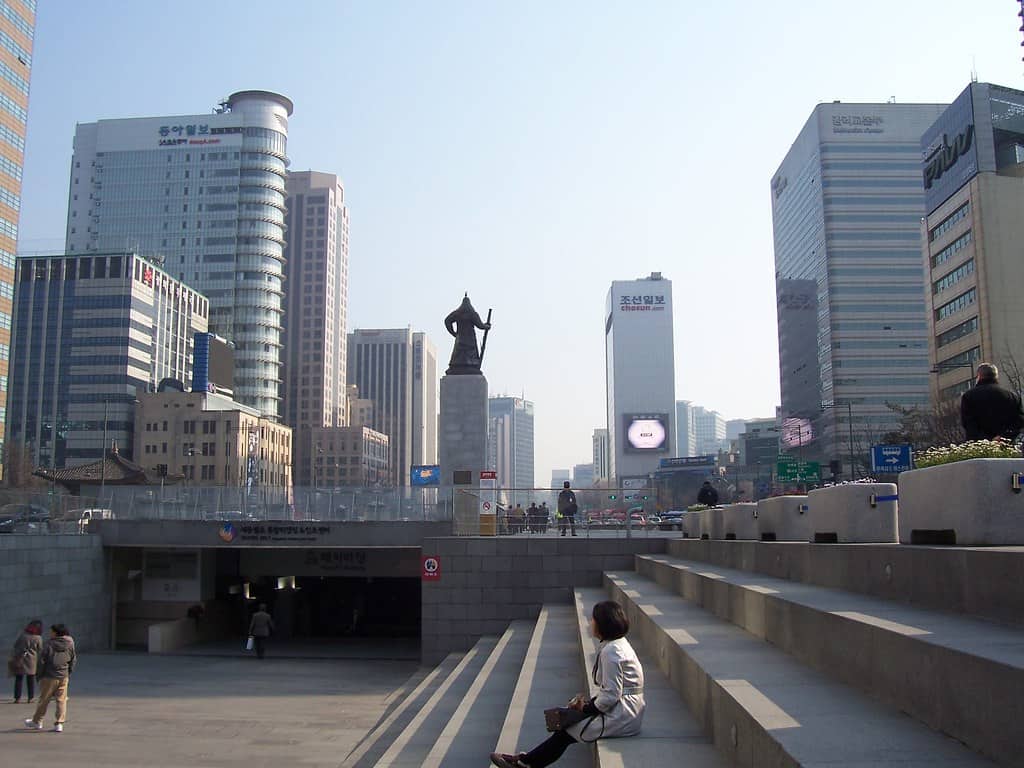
(793, 470)
(891, 459)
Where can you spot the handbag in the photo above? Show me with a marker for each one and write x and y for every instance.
(560, 718)
(249, 643)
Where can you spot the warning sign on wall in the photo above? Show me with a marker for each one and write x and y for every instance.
(431, 568)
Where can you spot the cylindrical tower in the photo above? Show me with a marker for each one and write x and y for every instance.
(259, 254)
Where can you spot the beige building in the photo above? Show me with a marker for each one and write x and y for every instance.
(211, 440)
(359, 409)
(972, 237)
(350, 456)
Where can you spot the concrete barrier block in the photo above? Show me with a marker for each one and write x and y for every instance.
(967, 503)
(711, 523)
(784, 518)
(857, 513)
(739, 521)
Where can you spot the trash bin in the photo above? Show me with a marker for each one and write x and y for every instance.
(488, 524)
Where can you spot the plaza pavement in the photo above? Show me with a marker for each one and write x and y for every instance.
(131, 709)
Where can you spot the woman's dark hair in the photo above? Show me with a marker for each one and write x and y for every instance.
(611, 620)
(60, 630)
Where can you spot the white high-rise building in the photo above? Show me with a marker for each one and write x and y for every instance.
(397, 370)
(510, 442)
(205, 196)
(710, 430)
(686, 429)
(640, 375)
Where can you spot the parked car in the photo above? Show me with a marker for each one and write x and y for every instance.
(672, 520)
(24, 518)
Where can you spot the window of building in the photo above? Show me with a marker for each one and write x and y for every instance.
(950, 221)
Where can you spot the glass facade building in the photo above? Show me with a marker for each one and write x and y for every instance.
(510, 444)
(203, 195)
(847, 202)
(17, 34)
(91, 333)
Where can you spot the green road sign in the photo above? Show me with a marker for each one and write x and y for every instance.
(793, 470)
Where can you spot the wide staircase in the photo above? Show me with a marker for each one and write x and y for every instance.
(741, 669)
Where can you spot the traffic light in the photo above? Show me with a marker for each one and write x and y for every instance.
(646, 497)
(612, 496)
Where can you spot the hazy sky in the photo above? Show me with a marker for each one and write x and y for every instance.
(528, 152)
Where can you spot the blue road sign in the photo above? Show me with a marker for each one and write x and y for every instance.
(891, 458)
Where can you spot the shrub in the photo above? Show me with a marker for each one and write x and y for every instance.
(973, 449)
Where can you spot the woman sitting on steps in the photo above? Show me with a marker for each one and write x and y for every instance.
(617, 710)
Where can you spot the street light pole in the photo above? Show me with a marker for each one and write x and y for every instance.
(103, 454)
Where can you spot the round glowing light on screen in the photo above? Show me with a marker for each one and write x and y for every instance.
(646, 434)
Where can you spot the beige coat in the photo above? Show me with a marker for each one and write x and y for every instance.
(25, 654)
(620, 677)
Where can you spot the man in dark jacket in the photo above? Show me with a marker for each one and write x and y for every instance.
(567, 508)
(261, 626)
(707, 495)
(56, 664)
(988, 410)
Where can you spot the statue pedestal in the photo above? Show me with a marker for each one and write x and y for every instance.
(463, 443)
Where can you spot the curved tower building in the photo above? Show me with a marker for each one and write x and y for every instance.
(203, 196)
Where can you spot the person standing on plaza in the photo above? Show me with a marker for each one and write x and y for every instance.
(544, 518)
(707, 495)
(988, 410)
(261, 626)
(24, 658)
(567, 509)
(56, 663)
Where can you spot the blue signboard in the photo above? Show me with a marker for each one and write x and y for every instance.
(891, 459)
(426, 475)
(687, 461)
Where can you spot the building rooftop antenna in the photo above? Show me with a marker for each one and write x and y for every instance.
(974, 65)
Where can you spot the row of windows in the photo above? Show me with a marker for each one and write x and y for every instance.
(14, 108)
(8, 198)
(20, 24)
(8, 228)
(966, 359)
(953, 277)
(13, 78)
(893, 235)
(961, 302)
(871, 290)
(16, 141)
(8, 42)
(6, 258)
(883, 362)
(878, 326)
(853, 165)
(950, 221)
(947, 253)
(957, 332)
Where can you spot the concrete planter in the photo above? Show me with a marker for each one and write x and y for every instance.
(711, 523)
(784, 518)
(967, 503)
(845, 514)
(739, 521)
(690, 522)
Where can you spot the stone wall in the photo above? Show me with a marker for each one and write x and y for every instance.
(55, 578)
(487, 582)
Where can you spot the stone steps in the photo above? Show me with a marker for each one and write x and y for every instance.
(668, 729)
(549, 677)
(400, 713)
(958, 675)
(759, 705)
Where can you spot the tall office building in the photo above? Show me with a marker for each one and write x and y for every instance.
(846, 205)
(510, 441)
(710, 430)
(686, 429)
(602, 470)
(314, 395)
(17, 32)
(397, 370)
(640, 375)
(973, 164)
(205, 196)
(583, 476)
(91, 333)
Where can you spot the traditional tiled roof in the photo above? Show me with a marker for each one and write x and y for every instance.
(113, 469)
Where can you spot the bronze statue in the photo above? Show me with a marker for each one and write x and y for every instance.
(462, 324)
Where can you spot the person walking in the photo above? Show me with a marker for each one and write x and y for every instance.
(616, 711)
(567, 509)
(261, 626)
(56, 663)
(707, 495)
(24, 659)
(988, 410)
(544, 518)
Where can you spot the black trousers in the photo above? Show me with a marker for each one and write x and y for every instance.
(547, 752)
(258, 644)
(571, 520)
(30, 684)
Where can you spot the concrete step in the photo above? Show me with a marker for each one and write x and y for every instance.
(549, 677)
(412, 745)
(470, 734)
(762, 707)
(400, 711)
(668, 729)
(961, 676)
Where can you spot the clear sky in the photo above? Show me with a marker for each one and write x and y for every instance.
(529, 153)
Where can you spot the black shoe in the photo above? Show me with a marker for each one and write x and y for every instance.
(508, 761)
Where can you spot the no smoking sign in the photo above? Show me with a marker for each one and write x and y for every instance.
(431, 568)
